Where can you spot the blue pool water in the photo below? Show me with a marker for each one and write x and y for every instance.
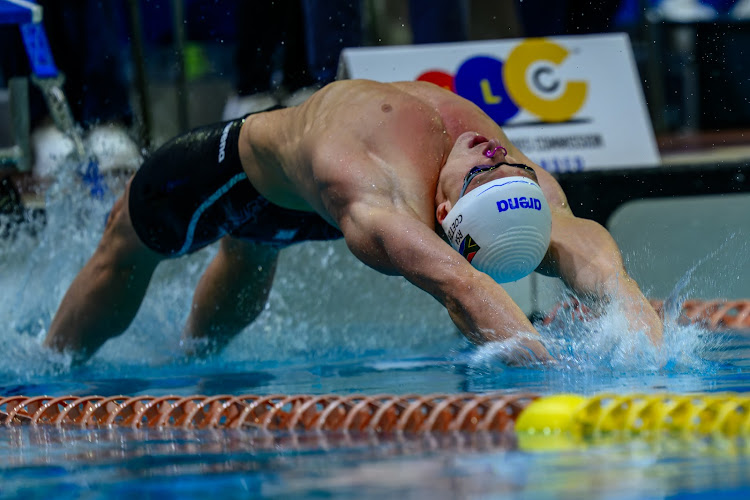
(316, 337)
(106, 463)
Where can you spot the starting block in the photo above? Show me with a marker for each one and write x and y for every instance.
(27, 15)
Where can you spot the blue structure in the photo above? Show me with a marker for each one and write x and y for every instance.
(37, 48)
(28, 16)
(19, 12)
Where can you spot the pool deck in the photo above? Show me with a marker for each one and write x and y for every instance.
(704, 147)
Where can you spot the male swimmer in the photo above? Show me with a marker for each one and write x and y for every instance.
(396, 169)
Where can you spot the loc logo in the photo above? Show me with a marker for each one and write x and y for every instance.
(525, 80)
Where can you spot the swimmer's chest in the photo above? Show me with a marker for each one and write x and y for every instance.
(402, 130)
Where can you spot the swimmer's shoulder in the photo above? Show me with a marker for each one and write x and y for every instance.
(352, 100)
(353, 90)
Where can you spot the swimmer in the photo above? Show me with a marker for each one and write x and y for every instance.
(402, 171)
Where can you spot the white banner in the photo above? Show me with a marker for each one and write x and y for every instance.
(571, 103)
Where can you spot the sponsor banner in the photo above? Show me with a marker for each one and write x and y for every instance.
(571, 103)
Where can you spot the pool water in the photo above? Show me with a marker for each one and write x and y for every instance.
(170, 464)
(75, 463)
(318, 337)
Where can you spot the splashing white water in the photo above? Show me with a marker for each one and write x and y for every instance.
(608, 343)
(312, 308)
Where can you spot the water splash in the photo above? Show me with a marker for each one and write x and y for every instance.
(312, 309)
(673, 302)
(35, 266)
(606, 343)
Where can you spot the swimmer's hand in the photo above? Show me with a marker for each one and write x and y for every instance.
(521, 350)
(642, 317)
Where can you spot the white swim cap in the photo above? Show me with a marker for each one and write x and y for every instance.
(502, 227)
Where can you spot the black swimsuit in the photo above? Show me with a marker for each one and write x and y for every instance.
(193, 190)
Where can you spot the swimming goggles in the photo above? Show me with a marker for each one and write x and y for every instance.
(480, 169)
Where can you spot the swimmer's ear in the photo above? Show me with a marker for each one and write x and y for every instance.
(442, 211)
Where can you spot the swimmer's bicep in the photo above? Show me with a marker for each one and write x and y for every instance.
(399, 244)
(582, 253)
(480, 308)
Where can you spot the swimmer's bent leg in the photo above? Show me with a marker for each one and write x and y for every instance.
(173, 205)
(230, 295)
(105, 296)
(190, 193)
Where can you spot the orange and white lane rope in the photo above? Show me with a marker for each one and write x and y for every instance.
(383, 413)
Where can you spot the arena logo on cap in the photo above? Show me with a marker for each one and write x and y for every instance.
(468, 248)
(516, 203)
(525, 80)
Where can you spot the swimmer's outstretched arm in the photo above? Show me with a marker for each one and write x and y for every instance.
(399, 243)
(586, 257)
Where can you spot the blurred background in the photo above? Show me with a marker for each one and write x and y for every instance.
(159, 67)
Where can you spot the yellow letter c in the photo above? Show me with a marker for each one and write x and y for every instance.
(514, 76)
